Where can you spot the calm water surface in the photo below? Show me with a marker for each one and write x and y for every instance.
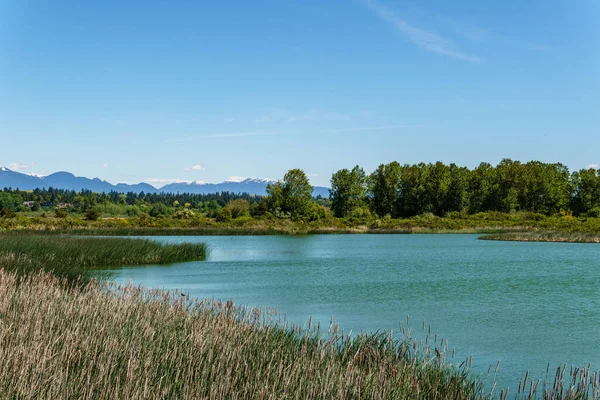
(524, 304)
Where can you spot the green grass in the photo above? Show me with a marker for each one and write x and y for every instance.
(75, 257)
(489, 222)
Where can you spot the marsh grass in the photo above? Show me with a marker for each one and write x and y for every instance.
(80, 258)
(130, 342)
(108, 341)
(545, 236)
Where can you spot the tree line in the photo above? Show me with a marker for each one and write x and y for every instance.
(133, 203)
(394, 190)
(403, 191)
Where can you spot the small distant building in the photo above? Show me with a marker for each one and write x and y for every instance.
(28, 204)
(64, 205)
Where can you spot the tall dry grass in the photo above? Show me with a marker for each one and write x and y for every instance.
(129, 342)
(545, 236)
(126, 342)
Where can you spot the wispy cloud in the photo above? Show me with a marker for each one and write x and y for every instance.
(594, 166)
(220, 135)
(19, 166)
(479, 35)
(105, 166)
(379, 128)
(196, 167)
(313, 115)
(422, 38)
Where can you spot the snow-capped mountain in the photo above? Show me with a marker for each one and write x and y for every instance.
(68, 181)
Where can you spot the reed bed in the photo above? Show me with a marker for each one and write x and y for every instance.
(130, 342)
(545, 236)
(79, 258)
(106, 341)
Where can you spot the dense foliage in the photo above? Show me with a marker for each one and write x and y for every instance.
(392, 190)
(117, 204)
(404, 191)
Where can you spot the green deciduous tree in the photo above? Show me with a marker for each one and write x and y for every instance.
(383, 187)
(348, 190)
(586, 191)
(293, 195)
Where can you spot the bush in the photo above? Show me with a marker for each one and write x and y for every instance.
(60, 213)
(7, 213)
(360, 212)
(132, 211)
(238, 207)
(593, 213)
(92, 214)
(159, 210)
(224, 215)
(184, 214)
(316, 212)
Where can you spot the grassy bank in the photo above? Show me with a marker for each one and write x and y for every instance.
(490, 222)
(545, 236)
(81, 256)
(130, 342)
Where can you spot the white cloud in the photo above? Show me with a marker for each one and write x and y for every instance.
(19, 166)
(236, 178)
(196, 167)
(105, 166)
(594, 166)
(422, 38)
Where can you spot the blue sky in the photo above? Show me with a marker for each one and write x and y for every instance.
(158, 91)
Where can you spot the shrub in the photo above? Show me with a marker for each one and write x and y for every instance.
(132, 211)
(360, 212)
(224, 215)
(184, 214)
(7, 213)
(593, 213)
(238, 207)
(159, 210)
(60, 213)
(92, 214)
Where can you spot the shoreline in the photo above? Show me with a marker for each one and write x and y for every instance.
(496, 233)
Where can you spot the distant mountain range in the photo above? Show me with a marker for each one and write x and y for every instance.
(68, 181)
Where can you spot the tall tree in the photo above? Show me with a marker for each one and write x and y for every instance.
(437, 185)
(348, 190)
(586, 191)
(457, 196)
(411, 198)
(293, 195)
(383, 186)
(483, 189)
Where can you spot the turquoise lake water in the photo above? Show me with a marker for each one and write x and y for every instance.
(523, 304)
